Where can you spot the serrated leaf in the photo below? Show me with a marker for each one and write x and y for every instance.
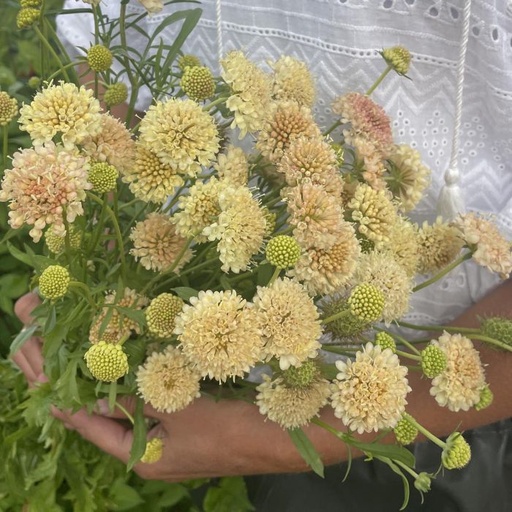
(307, 450)
(229, 496)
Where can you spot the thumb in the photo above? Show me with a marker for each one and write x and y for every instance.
(24, 307)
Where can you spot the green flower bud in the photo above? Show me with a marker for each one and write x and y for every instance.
(106, 362)
(301, 376)
(385, 340)
(34, 82)
(27, 16)
(457, 452)
(57, 244)
(398, 57)
(283, 251)
(498, 328)
(99, 58)
(433, 361)
(30, 3)
(188, 61)
(486, 398)
(103, 177)
(366, 302)
(153, 453)
(198, 83)
(347, 325)
(423, 482)
(405, 432)
(116, 94)
(161, 314)
(8, 108)
(270, 221)
(54, 282)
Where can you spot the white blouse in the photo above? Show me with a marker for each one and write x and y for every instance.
(339, 40)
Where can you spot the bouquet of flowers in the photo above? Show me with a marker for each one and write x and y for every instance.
(225, 243)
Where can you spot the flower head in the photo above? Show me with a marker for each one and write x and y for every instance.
(219, 334)
(433, 361)
(291, 406)
(8, 108)
(65, 110)
(56, 244)
(152, 6)
(54, 282)
(103, 177)
(99, 58)
(167, 381)
(187, 60)
(405, 432)
(293, 81)
(439, 244)
(197, 82)
(491, 249)
(457, 452)
(153, 452)
(366, 302)
(250, 92)
(289, 322)
(398, 58)
(232, 166)
(282, 251)
(115, 94)
(106, 362)
(27, 16)
(157, 245)
(460, 384)
(285, 122)
(365, 116)
(181, 134)
(113, 144)
(161, 314)
(370, 392)
(45, 183)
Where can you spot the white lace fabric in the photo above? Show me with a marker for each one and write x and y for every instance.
(339, 40)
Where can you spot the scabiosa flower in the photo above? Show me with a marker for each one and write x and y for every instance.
(113, 144)
(385, 340)
(232, 166)
(373, 212)
(44, 182)
(161, 314)
(152, 6)
(382, 271)
(54, 282)
(293, 81)
(491, 249)
(315, 215)
(289, 322)
(433, 361)
(103, 177)
(326, 271)
(286, 121)
(111, 325)
(197, 82)
(199, 208)
(188, 60)
(311, 160)
(65, 110)
(153, 451)
(106, 362)
(150, 179)
(99, 58)
(398, 58)
(499, 328)
(457, 452)
(219, 334)
(439, 244)
(408, 177)
(167, 381)
(370, 392)
(405, 432)
(27, 16)
(8, 108)
(157, 245)
(403, 243)
(291, 406)
(366, 302)
(239, 228)
(486, 398)
(344, 326)
(181, 134)
(282, 251)
(460, 384)
(115, 94)
(365, 116)
(250, 92)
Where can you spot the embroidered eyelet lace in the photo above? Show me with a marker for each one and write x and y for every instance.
(339, 40)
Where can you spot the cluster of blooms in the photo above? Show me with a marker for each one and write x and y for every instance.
(224, 261)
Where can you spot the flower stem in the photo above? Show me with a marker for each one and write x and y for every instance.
(408, 355)
(332, 127)
(443, 272)
(53, 53)
(336, 316)
(86, 292)
(5, 145)
(379, 80)
(424, 431)
(126, 413)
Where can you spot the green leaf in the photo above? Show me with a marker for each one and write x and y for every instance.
(307, 450)
(139, 435)
(24, 335)
(185, 293)
(398, 471)
(391, 451)
(229, 496)
(124, 496)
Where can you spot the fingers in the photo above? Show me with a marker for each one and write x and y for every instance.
(24, 307)
(107, 434)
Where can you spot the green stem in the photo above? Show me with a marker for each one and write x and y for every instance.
(336, 316)
(332, 127)
(408, 355)
(379, 80)
(275, 275)
(407, 468)
(85, 289)
(214, 103)
(126, 413)
(424, 431)
(70, 64)
(53, 53)
(5, 145)
(491, 341)
(447, 328)
(443, 272)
